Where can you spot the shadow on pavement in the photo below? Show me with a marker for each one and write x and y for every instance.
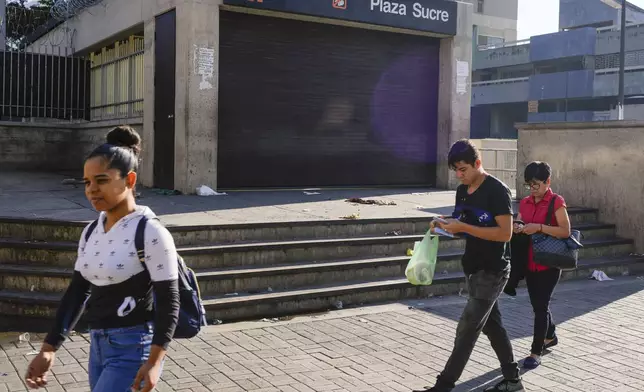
(518, 319)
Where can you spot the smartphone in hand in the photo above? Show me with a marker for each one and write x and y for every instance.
(518, 226)
(439, 231)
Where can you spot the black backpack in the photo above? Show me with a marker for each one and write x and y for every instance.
(192, 315)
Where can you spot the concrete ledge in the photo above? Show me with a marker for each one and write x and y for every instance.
(595, 125)
(236, 233)
(228, 226)
(74, 125)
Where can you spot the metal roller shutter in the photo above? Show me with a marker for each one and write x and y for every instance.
(306, 104)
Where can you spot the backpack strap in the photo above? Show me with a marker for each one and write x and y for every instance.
(139, 240)
(90, 229)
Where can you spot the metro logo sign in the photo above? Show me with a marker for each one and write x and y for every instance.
(340, 4)
(435, 16)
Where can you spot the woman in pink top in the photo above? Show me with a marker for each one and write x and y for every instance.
(541, 280)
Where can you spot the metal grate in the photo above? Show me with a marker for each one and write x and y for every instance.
(43, 82)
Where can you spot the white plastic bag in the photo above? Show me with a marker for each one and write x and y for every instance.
(207, 191)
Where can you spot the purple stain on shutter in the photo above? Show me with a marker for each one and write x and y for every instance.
(404, 107)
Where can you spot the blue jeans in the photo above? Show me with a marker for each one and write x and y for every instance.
(116, 356)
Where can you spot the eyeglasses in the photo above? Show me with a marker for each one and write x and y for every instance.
(534, 186)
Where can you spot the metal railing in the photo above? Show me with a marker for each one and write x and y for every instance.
(117, 80)
(504, 44)
(501, 81)
(617, 27)
(605, 71)
(44, 82)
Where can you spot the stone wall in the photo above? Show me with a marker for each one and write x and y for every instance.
(596, 164)
(51, 147)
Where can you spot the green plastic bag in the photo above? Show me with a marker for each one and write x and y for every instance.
(422, 265)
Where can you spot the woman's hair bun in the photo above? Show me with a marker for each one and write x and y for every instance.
(125, 136)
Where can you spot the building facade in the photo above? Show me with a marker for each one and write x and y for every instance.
(494, 21)
(570, 75)
(289, 93)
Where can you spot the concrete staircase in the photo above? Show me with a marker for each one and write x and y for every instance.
(252, 271)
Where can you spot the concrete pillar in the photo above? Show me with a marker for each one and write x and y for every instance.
(196, 93)
(146, 168)
(455, 95)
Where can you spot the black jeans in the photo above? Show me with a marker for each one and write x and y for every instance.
(541, 285)
(481, 314)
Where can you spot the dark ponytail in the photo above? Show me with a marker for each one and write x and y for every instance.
(121, 150)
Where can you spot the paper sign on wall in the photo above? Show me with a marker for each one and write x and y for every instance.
(205, 66)
(462, 73)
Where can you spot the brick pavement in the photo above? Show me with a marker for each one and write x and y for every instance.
(389, 348)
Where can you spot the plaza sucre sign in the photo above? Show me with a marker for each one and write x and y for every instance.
(436, 16)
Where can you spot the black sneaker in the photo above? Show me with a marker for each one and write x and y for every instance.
(512, 292)
(431, 389)
(507, 386)
(553, 343)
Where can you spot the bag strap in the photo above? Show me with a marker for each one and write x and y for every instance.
(139, 244)
(551, 209)
(139, 240)
(90, 229)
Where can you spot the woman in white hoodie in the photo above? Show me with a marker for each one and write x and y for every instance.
(129, 329)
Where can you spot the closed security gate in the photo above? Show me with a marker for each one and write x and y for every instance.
(305, 104)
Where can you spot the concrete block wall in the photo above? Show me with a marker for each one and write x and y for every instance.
(595, 164)
(52, 148)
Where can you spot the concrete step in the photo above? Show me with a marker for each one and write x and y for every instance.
(27, 307)
(56, 231)
(29, 277)
(354, 294)
(235, 255)
(593, 230)
(63, 254)
(249, 280)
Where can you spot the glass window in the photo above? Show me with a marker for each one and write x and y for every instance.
(485, 40)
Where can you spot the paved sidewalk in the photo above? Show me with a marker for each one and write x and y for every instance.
(389, 348)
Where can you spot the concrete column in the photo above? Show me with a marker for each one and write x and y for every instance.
(197, 94)
(146, 168)
(455, 93)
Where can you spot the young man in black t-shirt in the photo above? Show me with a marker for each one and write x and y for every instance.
(483, 215)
